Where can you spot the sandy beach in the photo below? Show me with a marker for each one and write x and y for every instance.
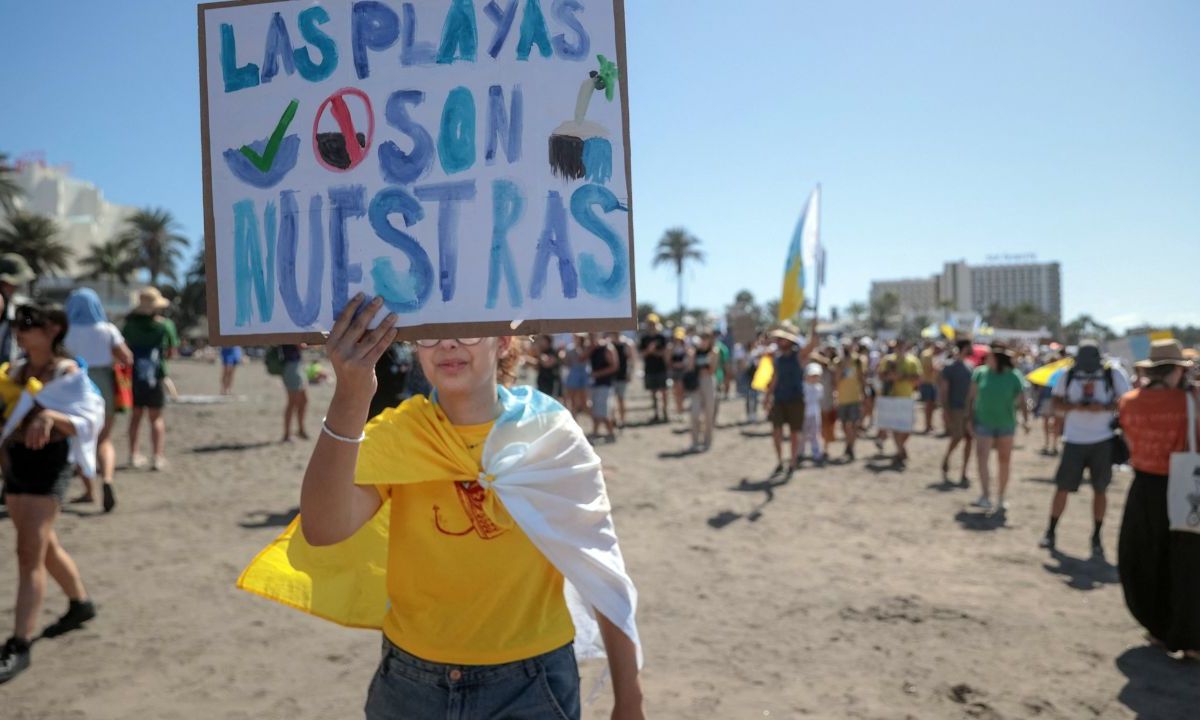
(850, 592)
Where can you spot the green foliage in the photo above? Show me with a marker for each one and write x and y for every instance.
(677, 247)
(883, 311)
(155, 244)
(9, 190)
(1025, 316)
(35, 238)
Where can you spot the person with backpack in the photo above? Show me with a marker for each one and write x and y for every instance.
(1087, 397)
(151, 338)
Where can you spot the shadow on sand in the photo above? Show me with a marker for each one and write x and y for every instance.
(727, 517)
(980, 521)
(1083, 574)
(231, 447)
(1158, 686)
(267, 519)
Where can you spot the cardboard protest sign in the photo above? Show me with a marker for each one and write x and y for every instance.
(896, 414)
(467, 162)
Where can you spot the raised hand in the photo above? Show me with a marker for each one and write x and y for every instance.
(353, 349)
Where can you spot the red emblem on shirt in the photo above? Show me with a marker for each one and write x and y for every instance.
(470, 496)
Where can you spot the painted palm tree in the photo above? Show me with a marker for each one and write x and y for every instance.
(111, 261)
(156, 245)
(678, 247)
(35, 238)
(9, 190)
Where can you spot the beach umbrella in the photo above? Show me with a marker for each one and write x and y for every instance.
(1048, 375)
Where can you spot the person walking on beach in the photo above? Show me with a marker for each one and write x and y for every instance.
(231, 357)
(653, 349)
(152, 339)
(901, 373)
(814, 398)
(49, 402)
(997, 391)
(1087, 397)
(295, 391)
(578, 374)
(929, 382)
(703, 360)
(678, 365)
(602, 358)
(98, 343)
(549, 367)
(1159, 566)
(461, 520)
(851, 392)
(954, 387)
(625, 351)
(785, 394)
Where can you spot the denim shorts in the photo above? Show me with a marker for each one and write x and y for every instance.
(984, 431)
(545, 687)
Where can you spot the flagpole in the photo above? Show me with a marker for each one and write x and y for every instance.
(819, 269)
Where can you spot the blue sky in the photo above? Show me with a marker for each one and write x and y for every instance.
(939, 130)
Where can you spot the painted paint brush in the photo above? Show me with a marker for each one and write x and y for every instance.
(580, 148)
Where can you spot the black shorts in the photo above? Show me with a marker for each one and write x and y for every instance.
(656, 381)
(46, 472)
(1096, 458)
(149, 396)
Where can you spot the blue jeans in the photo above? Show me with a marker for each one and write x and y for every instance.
(405, 687)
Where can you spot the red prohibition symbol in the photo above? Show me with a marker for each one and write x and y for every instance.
(344, 149)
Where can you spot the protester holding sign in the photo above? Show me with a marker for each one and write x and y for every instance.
(500, 546)
(901, 372)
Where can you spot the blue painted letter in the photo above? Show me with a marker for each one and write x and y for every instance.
(554, 243)
(279, 47)
(595, 282)
(564, 11)
(411, 51)
(313, 35)
(396, 165)
(302, 312)
(346, 201)
(236, 78)
(374, 26)
(507, 208)
(504, 22)
(459, 36)
(407, 292)
(534, 32)
(501, 122)
(252, 275)
(456, 139)
(448, 196)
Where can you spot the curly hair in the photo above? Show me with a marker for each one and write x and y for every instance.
(509, 360)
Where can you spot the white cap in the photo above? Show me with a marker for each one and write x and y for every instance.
(813, 369)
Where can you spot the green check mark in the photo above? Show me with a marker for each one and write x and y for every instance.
(263, 162)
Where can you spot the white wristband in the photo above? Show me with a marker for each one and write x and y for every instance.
(353, 441)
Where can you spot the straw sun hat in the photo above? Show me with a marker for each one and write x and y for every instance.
(151, 300)
(1165, 352)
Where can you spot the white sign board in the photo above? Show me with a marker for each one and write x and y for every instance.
(467, 162)
(895, 414)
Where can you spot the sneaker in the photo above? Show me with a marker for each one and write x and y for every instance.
(110, 500)
(1097, 548)
(778, 469)
(159, 463)
(983, 502)
(964, 483)
(79, 612)
(138, 462)
(1047, 542)
(1002, 505)
(14, 659)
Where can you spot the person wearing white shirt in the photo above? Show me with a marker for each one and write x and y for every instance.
(97, 343)
(814, 398)
(1087, 394)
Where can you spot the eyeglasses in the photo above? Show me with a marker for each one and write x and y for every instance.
(461, 341)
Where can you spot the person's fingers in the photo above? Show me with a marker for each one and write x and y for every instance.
(382, 344)
(372, 340)
(359, 327)
(344, 318)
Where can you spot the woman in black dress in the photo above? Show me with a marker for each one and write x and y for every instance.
(39, 468)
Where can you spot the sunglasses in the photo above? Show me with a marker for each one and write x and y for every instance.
(29, 321)
(461, 341)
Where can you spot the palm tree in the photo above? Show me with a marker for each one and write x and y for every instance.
(157, 247)
(193, 297)
(677, 247)
(111, 261)
(9, 190)
(856, 310)
(35, 238)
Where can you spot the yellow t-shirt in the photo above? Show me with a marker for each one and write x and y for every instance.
(850, 381)
(907, 369)
(929, 374)
(466, 589)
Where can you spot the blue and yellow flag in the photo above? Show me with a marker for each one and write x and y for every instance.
(804, 241)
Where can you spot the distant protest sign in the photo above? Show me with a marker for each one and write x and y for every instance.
(894, 413)
(465, 161)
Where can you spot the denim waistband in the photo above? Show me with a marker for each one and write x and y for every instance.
(459, 675)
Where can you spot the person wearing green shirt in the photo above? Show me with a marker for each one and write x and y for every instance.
(997, 392)
(151, 338)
